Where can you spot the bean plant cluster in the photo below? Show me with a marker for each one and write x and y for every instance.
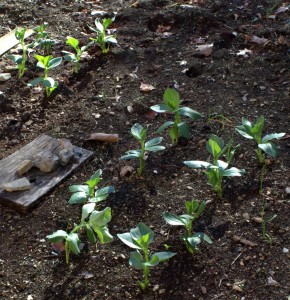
(43, 43)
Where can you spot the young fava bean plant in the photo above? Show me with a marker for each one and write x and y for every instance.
(193, 209)
(20, 60)
(46, 63)
(254, 131)
(88, 193)
(171, 105)
(102, 39)
(139, 238)
(42, 39)
(95, 224)
(75, 57)
(218, 169)
(139, 133)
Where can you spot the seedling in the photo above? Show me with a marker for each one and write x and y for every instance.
(93, 221)
(42, 39)
(193, 209)
(216, 171)
(139, 238)
(171, 105)
(46, 63)
(75, 57)
(266, 235)
(20, 60)
(219, 118)
(88, 192)
(254, 132)
(102, 39)
(139, 133)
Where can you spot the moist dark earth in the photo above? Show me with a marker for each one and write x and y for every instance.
(157, 45)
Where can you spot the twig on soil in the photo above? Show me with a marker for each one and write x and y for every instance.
(236, 258)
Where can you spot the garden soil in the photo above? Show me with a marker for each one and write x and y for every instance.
(228, 60)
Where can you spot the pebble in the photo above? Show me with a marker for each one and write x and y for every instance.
(285, 250)
(21, 184)
(24, 166)
(155, 288)
(128, 295)
(46, 161)
(5, 76)
(257, 220)
(246, 216)
(287, 190)
(162, 291)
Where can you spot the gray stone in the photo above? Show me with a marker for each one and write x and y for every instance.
(5, 76)
(24, 166)
(21, 184)
(65, 156)
(46, 161)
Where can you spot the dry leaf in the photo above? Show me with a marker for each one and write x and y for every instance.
(259, 40)
(103, 137)
(146, 87)
(205, 49)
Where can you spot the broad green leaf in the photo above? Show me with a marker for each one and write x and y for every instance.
(35, 82)
(142, 230)
(99, 25)
(171, 98)
(163, 256)
(102, 193)
(203, 236)
(57, 236)
(17, 59)
(90, 234)
(222, 165)
(111, 39)
(193, 241)
(136, 260)
(258, 128)
(97, 174)
(214, 145)
(272, 136)
(78, 198)
(153, 142)
(103, 234)
(173, 133)
(126, 238)
(54, 62)
(184, 130)
(154, 261)
(191, 206)
(79, 188)
(100, 218)
(197, 164)
(20, 33)
(172, 219)
(132, 154)
(107, 22)
(138, 131)
(48, 82)
(234, 172)
(155, 148)
(246, 122)
(72, 42)
(73, 243)
(70, 57)
(200, 209)
(86, 210)
(188, 112)
(269, 148)
(161, 108)
(164, 125)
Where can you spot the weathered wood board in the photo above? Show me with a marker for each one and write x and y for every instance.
(42, 182)
(9, 40)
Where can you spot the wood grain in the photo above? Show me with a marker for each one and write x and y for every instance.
(42, 183)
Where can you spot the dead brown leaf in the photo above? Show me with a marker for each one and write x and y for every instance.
(103, 137)
(146, 87)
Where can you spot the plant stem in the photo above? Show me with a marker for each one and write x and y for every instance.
(145, 283)
(261, 156)
(141, 159)
(263, 173)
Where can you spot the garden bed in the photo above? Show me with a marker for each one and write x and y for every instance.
(242, 71)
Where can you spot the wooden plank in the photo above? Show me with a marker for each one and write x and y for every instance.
(9, 40)
(42, 182)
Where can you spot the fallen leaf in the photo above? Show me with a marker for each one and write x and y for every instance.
(259, 40)
(126, 170)
(146, 87)
(205, 49)
(103, 137)
(246, 52)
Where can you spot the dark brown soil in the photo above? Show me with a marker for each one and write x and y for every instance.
(96, 100)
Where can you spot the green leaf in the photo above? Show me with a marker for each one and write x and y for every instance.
(79, 188)
(57, 236)
(193, 241)
(107, 22)
(102, 194)
(214, 146)
(153, 142)
(126, 238)
(97, 174)
(163, 256)
(138, 132)
(54, 62)
(73, 243)
(161, 108)
(164, 125)
(78, 198)
(100, 218)
(155, 148)
(222, 165)
(69, 56)
(35, 82)
(191, 206)
(72, 42)
(48, 82)
(200, 209)
(99, 25)
(173, 133)
(86, 210)
(269, 148)
(203, 236)
(171, 98)
(17, 59)
(103, 234)
(142, 230)
(258, 128)
(111, 39)
(234, 172)
(90, 234)
(154, 261)
(272, 136)
(172, 219)
(136, 260)
(184, 130)
(188, 112)
(132, 154)
(197, 164)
